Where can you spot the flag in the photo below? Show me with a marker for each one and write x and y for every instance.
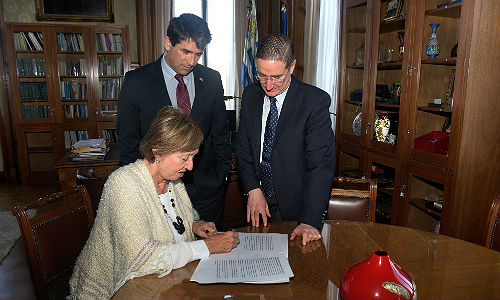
(248, 70)
(284, 20)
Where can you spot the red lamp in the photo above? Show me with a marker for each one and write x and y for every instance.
(377, 278)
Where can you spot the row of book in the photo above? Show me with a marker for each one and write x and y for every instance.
(73, 136)
(73, 90)
(76, 111)
(110, 66)
(69, 42)
(28, 41)
(109, 42)
(109, 89)
(110, 135)
(35, 111)
(72, 68)
(109, 110)
(30, 66)
(33, 90)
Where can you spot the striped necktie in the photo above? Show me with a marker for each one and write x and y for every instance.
(182, 95)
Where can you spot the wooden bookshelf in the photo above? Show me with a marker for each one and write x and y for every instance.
(63, 87)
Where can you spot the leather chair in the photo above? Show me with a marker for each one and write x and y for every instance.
(54, 238)
(353, 199)
(492, 238)
(86, 176)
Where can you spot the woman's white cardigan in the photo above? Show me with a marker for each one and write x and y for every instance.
(129, 230)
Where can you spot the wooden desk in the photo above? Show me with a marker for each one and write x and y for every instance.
(66, 169)
(442, 267)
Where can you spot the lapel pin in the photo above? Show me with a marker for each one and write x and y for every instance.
(201, 79)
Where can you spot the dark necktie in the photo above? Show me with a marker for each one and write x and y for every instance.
(266, 174)
(182, 95)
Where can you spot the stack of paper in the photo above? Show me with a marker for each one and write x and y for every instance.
(259, 258)
(92, 149)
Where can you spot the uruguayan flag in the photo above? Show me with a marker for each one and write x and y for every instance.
(248, 70)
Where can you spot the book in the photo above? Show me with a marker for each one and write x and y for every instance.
(89, 145)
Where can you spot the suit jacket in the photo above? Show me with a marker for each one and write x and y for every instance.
(144, 93)
(302, 160)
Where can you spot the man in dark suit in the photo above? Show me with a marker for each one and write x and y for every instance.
(176, 79)
(285, 145)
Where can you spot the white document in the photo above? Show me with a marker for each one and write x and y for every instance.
(259, 258)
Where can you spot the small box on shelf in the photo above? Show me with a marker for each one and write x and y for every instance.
(434, 141)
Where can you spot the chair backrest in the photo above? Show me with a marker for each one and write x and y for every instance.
(492, 238)
(353, 199)
(55, 236)
(86, 176)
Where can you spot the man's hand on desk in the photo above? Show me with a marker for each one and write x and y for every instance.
(204, 229)
(307, 232)
(308, 248)
(257, 205)
(222, 242)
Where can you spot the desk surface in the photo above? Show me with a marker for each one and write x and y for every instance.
(111, 158)
(442, 267)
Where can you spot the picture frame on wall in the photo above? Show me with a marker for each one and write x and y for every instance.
(74, 10)
(394, 8)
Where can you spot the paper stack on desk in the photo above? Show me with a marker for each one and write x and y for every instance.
(259, 258)
(92, 149)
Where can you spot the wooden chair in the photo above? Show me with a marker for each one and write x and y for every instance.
(353, 199)
(492, 237)
(86, 176)
(54, 238)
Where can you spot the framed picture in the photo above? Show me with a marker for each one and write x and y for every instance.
(394, 8)
(74, 10)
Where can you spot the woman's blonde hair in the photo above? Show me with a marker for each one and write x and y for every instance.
(170, 131)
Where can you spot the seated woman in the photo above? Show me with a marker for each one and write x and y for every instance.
(145, 223)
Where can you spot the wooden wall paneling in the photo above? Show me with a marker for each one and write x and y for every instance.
(144, 32)
(8, 157)
(264, 17)
(476, 181)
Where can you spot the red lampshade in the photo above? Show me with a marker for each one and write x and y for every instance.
(377, 278)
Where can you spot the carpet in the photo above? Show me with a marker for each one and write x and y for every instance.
(10, 232)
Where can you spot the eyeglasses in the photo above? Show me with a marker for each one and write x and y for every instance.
(276, 80)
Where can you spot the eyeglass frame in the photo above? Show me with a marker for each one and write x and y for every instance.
(275, 81)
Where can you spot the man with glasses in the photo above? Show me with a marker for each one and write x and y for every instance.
(285, 143)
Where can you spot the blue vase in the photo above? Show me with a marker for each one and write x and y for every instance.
(433, 48)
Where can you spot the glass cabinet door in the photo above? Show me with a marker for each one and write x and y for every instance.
(72, 68)
(110, 71)
(350, 162)
(434, 106)
(387, 172)
(353, 78)
(426, 200)
(30, 55)
(388, 76)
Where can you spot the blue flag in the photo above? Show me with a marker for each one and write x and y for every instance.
(248, 70)
(284, 20)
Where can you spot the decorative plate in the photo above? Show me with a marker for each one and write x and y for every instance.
(356, 124)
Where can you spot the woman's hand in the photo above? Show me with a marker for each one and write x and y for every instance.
(222, 242)
(204, 229)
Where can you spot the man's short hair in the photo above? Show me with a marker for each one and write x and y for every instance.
(189, 27)
(276, 47)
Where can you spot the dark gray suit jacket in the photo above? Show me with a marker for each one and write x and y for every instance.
(144, 93)
(302, 160)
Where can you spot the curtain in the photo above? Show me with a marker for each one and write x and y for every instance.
(328, 52)
(160, 24)
(311, 27)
